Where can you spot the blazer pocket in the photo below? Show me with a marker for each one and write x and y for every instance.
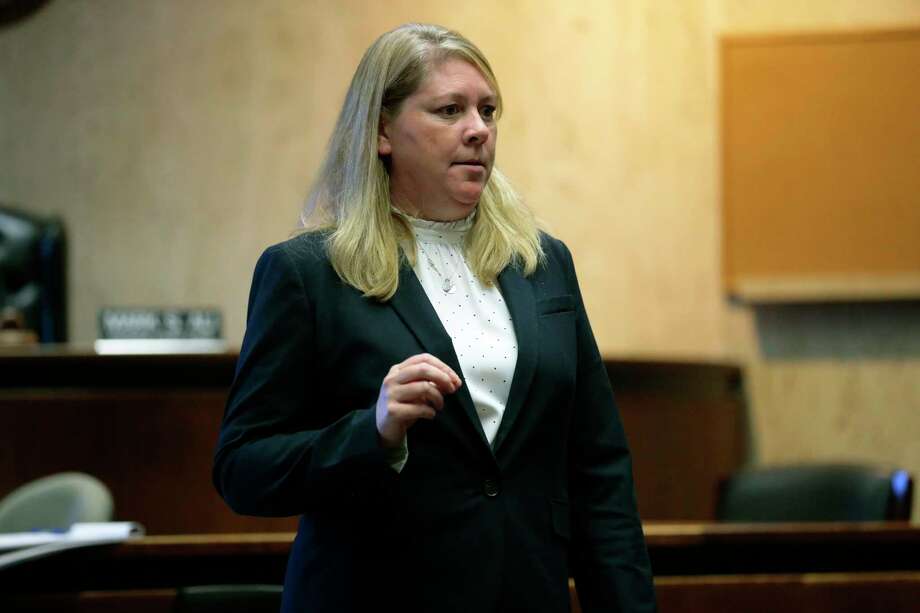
(559, 509)
(556, 304)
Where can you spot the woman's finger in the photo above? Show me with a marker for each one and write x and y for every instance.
(421, 392)
(409, 412)
(427, 358)
(423, 371)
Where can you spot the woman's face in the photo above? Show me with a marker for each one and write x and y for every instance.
(441, 144)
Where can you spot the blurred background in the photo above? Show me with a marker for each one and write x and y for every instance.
(176, 140)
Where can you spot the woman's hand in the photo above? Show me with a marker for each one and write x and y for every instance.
(412, 390)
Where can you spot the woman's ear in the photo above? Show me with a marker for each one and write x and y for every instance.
(383, 141)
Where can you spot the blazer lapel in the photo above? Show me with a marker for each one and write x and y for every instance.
(412, 305)
(519, 296)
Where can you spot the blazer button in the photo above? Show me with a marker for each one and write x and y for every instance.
(490, 487)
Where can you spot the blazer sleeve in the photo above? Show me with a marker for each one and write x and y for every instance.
(280, 450)
(610, 561)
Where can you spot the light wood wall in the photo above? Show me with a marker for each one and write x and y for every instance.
(829, 381)
(177, 140)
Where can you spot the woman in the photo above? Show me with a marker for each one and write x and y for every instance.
(419, 381)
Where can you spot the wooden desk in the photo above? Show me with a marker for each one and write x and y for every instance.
(764, 568)
(698, 567)
(146, 425)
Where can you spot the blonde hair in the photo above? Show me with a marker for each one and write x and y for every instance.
(351, 195)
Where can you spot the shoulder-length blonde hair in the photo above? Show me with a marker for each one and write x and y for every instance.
(351, 196)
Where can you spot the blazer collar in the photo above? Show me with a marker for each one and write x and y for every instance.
(519, 296)
(412, 305)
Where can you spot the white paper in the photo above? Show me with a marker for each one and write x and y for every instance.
(30, 545)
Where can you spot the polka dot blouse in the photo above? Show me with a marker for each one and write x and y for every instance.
(475, 316)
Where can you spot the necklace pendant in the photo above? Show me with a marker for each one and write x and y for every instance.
(447, 286)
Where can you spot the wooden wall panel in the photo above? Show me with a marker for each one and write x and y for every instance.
(820, 146)
(147, 426)
(153, 449)
(811, 593)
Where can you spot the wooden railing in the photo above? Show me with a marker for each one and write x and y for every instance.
(698, 567)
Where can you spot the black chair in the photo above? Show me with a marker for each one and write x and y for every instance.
(228, 599)
(32, 272)
(815, 492)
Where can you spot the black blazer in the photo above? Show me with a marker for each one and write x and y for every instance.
(465, 526)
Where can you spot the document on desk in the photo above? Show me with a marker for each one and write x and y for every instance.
(23, 546)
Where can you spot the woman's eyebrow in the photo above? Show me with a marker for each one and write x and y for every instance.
(460, 96)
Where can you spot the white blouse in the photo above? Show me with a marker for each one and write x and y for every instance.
(475, 316)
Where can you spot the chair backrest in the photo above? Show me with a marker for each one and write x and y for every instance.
(55, 503)
(33, 272)
(254, 598)
(815, 492)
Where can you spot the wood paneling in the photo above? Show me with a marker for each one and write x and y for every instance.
(810, 592)
(147, 427)
(153, 448)
(687, 429)
(820, 146)
(714, 569)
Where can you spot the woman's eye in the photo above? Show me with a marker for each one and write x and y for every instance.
(488, 112)
(450, 109)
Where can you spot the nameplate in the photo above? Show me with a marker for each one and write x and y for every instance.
(159, 323)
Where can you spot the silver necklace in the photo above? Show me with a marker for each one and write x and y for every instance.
(447, 283)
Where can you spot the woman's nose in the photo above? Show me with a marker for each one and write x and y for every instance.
(476, 131)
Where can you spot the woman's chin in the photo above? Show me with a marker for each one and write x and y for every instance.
(468, 195)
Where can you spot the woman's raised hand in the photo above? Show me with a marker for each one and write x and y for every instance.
(412, 390)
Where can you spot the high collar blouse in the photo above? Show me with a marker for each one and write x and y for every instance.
(474, 315)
